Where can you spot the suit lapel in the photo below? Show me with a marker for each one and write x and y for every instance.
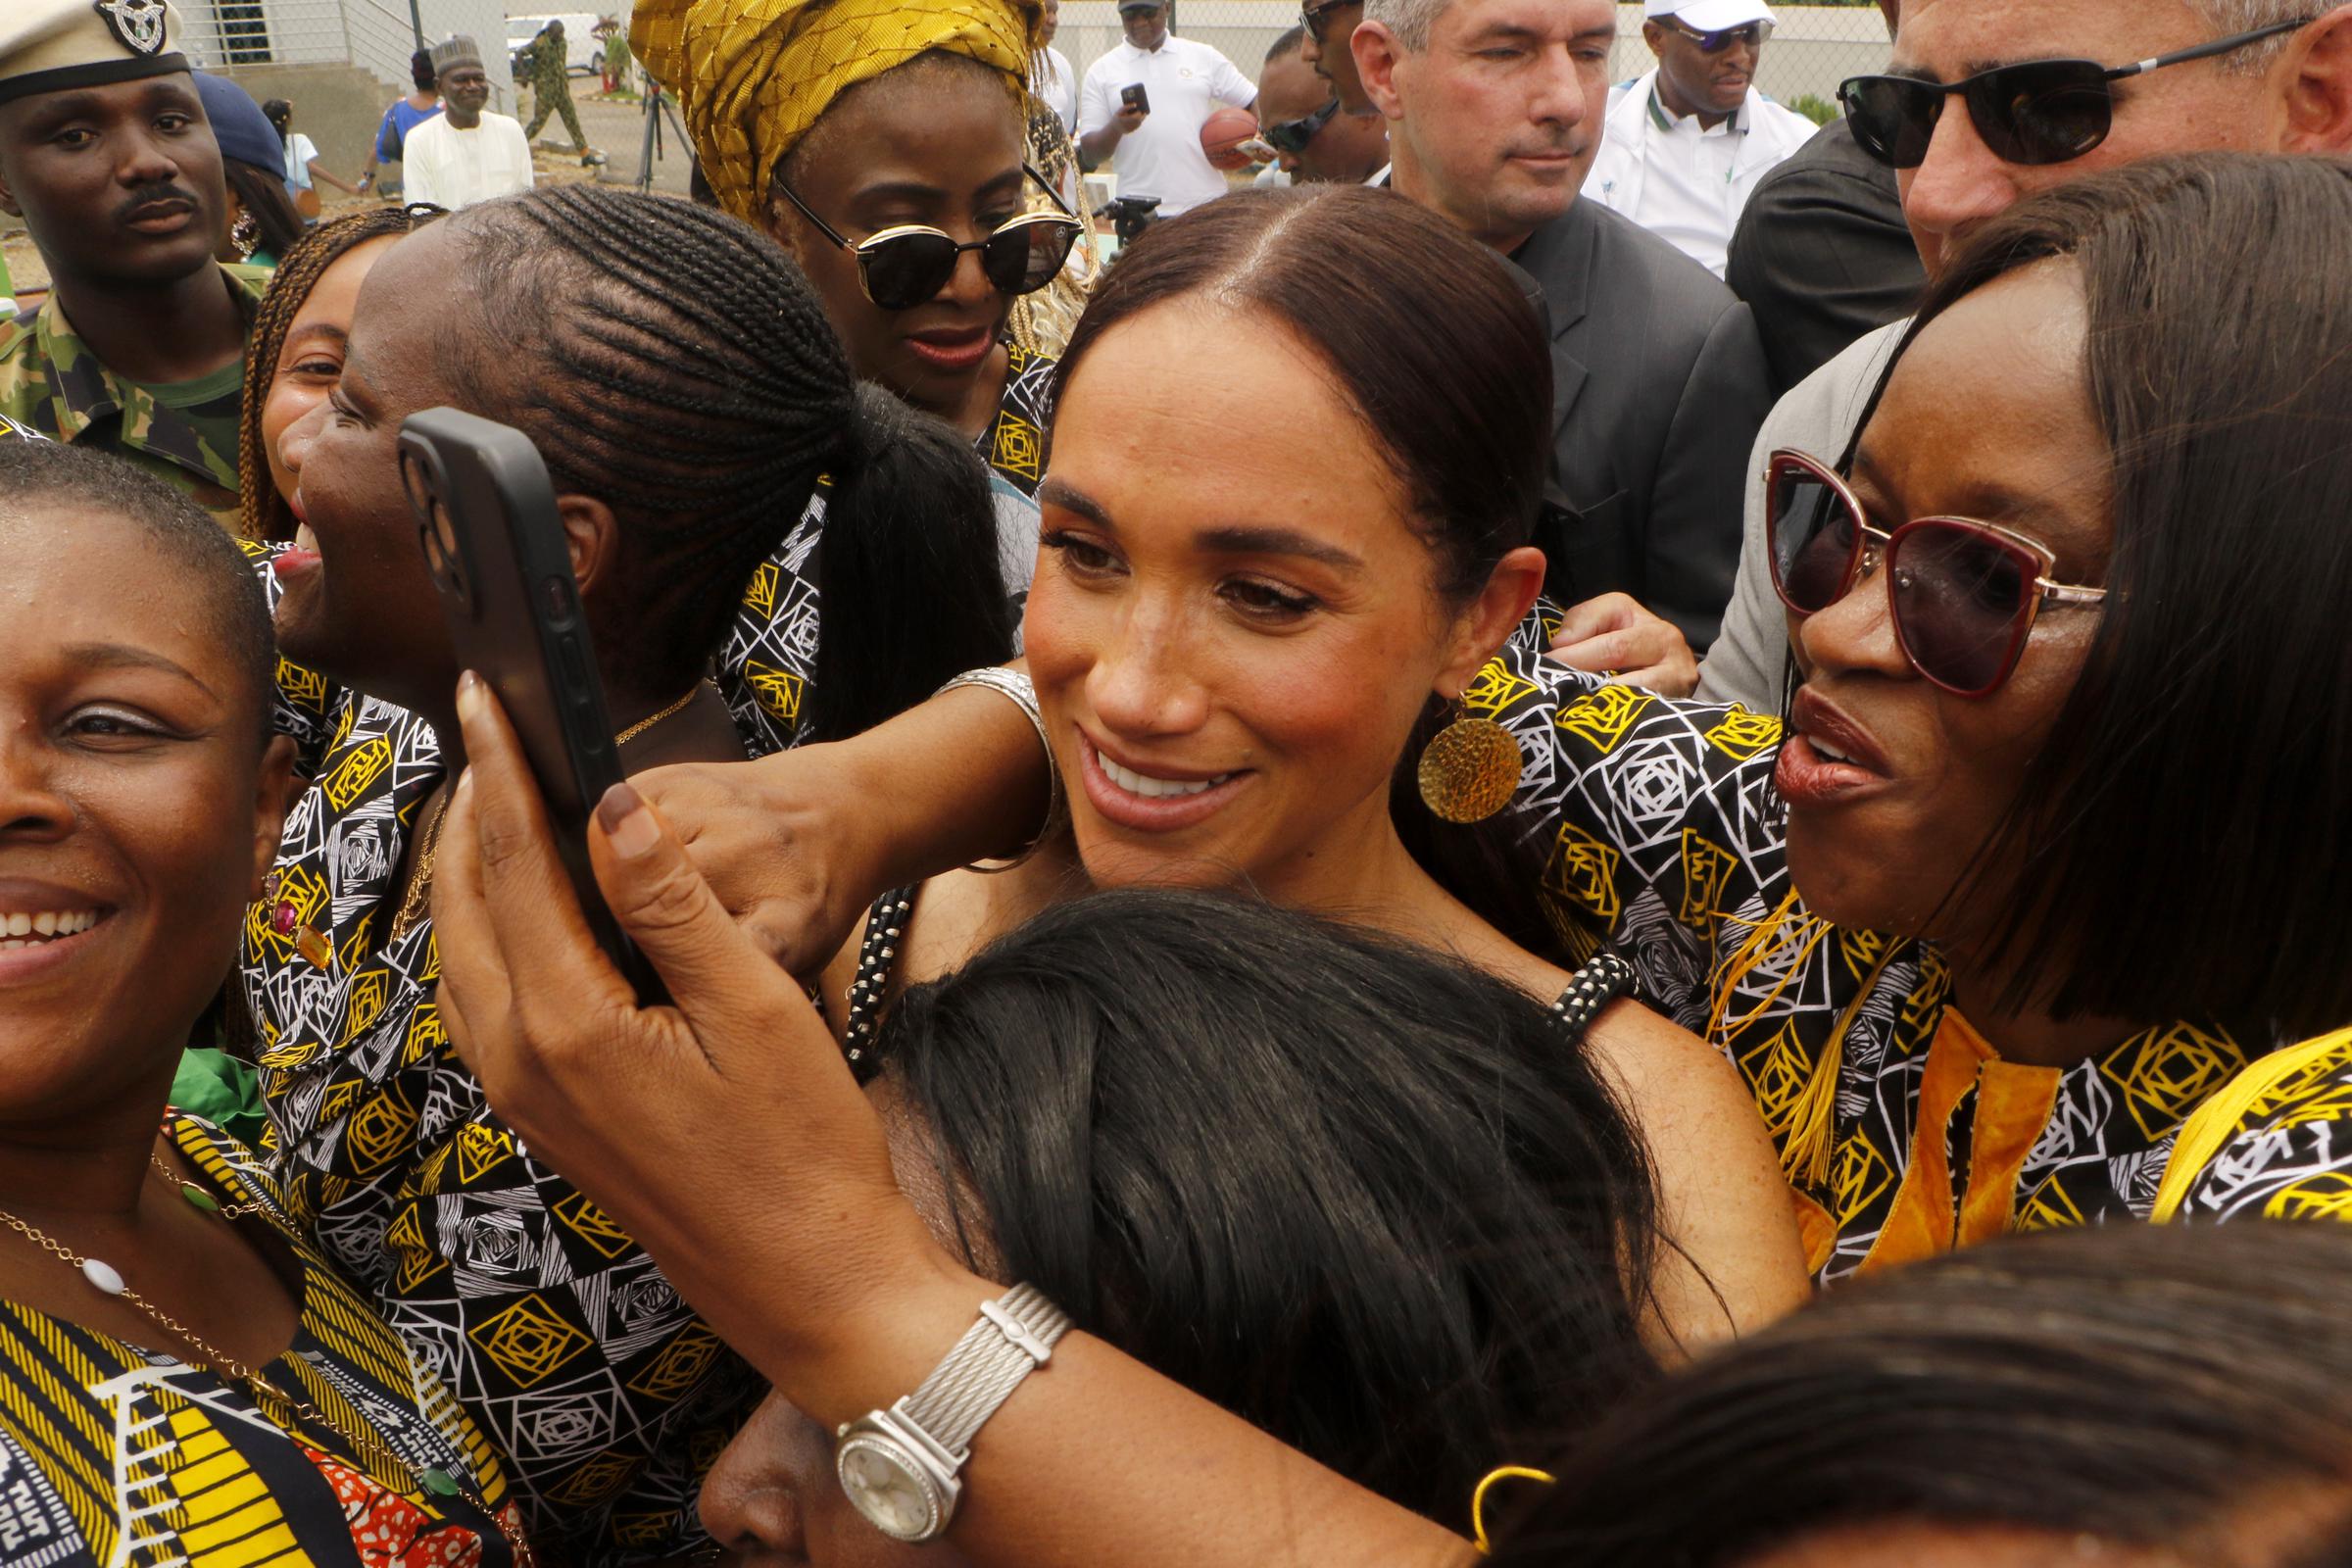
(1560, 256)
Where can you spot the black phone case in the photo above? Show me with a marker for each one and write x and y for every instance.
(1136, 95)
(486, 516)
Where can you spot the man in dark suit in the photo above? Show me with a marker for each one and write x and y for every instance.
(1495, 112)
(1822, 254)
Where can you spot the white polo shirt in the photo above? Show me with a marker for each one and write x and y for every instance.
(1186, 82)
(1054, 85)
(1682, 181)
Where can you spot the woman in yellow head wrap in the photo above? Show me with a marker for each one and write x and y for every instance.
(830, 124)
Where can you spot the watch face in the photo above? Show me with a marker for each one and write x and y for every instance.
(896, 1496)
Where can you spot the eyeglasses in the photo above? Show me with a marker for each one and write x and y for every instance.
(1315, 18)
(1963, 594)
(2034, 113)
(909, 264)
(1752, 34)
(1293, 135)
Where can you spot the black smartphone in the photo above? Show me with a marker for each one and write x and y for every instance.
(1134, 97)
(486, 516)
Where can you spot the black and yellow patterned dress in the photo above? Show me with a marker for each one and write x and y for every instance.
(2274, 1143)
(606, 1393)
(770, 654)
(114, 1454)
(1903, 1131)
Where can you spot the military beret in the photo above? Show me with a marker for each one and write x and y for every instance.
(51, 45)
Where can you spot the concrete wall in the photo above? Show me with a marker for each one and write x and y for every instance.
(338, 107)
(376, 36)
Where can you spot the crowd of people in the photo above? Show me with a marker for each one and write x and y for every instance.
(1598, 840)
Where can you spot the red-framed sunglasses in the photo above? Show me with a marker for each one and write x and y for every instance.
(1963, 594)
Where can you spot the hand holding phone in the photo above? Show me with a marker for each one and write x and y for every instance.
(1134, 105)
(486, 516)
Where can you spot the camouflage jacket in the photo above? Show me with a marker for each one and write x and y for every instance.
(549, 63)
(50, 382)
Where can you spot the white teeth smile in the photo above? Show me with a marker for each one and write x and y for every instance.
(1153, 789)
(24, 928)
(1828, 752)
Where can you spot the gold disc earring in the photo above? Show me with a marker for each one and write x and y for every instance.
(1470, 770)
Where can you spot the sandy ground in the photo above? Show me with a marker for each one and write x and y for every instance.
(616, 128)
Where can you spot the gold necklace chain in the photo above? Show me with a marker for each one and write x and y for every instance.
(643, 724)
(418, 896)
(366, 1444)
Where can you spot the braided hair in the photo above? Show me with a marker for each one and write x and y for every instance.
(685, 375)
(261, 511)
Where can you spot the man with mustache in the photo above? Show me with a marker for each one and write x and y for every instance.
(106, 155)
(1495, 111)
(2190, 75)
(1686, 144)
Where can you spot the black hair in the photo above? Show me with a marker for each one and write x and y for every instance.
(2138, 1384)
(1286, 45)
(2207, 742)
(685, 375)
(420, 69)
(1361, 1194)
(280, 114)
(263, 192)
(216, 572)
(1459, 398)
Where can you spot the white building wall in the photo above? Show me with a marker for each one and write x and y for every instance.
(373, 35)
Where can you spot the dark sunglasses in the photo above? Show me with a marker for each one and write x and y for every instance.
(2034, 113)
(908, 264)
(1752, 34)
(1964, 594)
(1293, 135)
(1314, 18)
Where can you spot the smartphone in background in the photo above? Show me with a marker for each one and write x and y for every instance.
(486, 516)
(1134, 97)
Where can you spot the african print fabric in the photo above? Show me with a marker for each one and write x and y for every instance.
(114, 1454)
(51, 384)
(2276, 1144)
(1902, 1132)
(771, 653)
(608, 1395)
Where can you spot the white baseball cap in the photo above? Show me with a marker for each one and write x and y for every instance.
(1711, 16)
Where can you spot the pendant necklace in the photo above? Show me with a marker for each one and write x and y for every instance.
(287, 1411)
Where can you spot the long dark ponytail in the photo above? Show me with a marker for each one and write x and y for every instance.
(688, 378)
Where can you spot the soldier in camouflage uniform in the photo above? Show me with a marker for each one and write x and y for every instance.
(140, 347)
(550, 59)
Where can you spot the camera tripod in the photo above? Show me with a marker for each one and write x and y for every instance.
(657, 108)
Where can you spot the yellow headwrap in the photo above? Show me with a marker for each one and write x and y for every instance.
(752, 75)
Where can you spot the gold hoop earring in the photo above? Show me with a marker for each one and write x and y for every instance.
(1470, 770)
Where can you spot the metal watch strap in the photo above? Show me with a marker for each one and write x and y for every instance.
(1015, 1335)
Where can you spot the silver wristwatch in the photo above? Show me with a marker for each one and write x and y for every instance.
(901, 1466)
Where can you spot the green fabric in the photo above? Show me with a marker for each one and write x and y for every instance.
(212, 405)
(51, 382)
(223, 1091)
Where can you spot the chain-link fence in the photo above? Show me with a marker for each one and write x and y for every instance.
(1814, 48)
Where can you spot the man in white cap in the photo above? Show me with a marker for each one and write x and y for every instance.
(1144, 102)
(106, 155)
(471, 153)
(1685, 145)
